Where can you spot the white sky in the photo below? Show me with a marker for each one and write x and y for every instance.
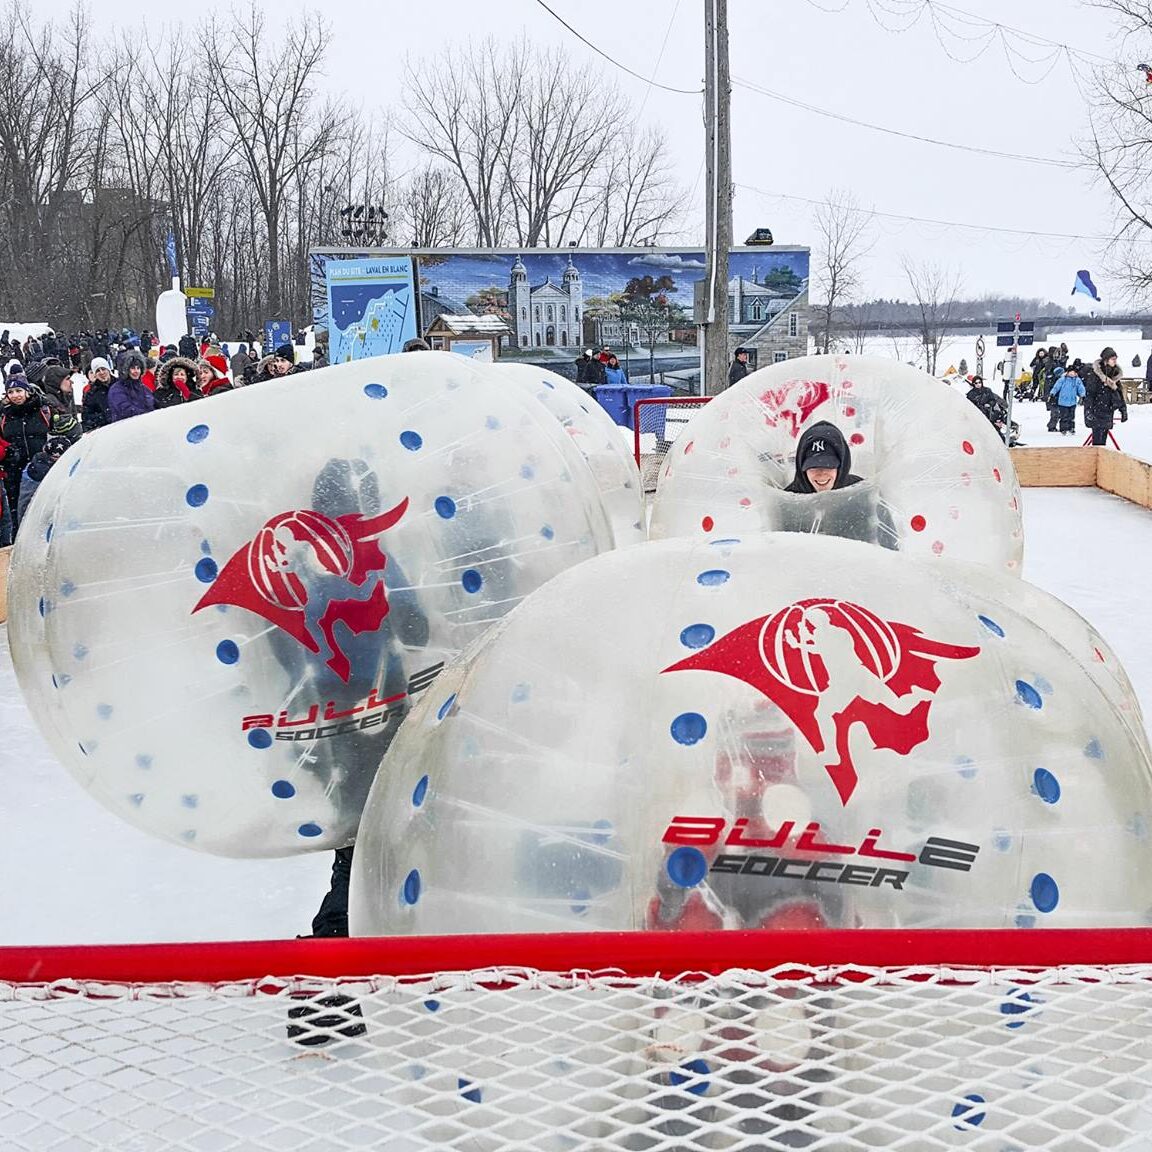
(843, 61)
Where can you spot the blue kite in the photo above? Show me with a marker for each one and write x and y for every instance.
(1084, 284)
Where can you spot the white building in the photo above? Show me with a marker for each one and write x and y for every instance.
(546, 315)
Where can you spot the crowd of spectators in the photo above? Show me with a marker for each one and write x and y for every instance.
(59, 388)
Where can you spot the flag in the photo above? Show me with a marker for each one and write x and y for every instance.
(170, 250)
(1084, 285)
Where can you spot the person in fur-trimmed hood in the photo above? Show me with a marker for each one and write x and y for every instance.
(212, 374)
(1103, 396)
(176, 382)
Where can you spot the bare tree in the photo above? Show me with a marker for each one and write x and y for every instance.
(434, 209)
(1119, 150)
(279, 126)
(844, 232)
(934, 291)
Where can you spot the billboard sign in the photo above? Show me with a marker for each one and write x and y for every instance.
(371, 307)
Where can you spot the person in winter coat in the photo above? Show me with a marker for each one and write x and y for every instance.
(1050, 401)
(282, 363)
(1041, 368)
(1103, 396)
(212, 375)
(240, 362)
(614, 374)
(1065, 392)
(188, 348)
(589, 370)
(824, 467)
(39, 467)
(1062, 356)
(25, 425)
(94, 410)
(985, 399)
(130, 396)
(57, 385)
(739, 367)
(176, 383)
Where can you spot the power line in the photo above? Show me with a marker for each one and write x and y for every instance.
(816, 111)
(913, 10)
(947, 223)
(659, 59)
(616, 63)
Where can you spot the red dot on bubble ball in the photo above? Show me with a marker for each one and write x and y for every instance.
(849, 411)
(1098, 654)
(968, 448)
(689, 446)
(745, 503)
(707, 524)
(856, 438)
(937, 546)
(996, 473)
(918, 523)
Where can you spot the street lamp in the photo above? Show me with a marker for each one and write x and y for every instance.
(364, 223)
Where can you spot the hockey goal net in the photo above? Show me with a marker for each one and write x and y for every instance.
(656, 423)
(819, 1040)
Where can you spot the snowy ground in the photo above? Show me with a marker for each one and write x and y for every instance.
(1134, 438)
(72, 873)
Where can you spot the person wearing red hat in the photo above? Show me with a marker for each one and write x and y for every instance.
(212, 375)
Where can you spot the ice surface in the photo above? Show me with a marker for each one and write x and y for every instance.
(74, 873)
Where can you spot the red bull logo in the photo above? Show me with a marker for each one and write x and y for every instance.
(305, 572)
(792, 404)
(830, 664)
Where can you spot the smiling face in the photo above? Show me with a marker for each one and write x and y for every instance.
(17, 395)
(821, 479)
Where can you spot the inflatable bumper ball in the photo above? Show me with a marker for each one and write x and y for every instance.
(930, 475)
(220, 613)
(594, 435)
(796, 731)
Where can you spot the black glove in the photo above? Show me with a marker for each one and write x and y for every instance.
(1123, 417)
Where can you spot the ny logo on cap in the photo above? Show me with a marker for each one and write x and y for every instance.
(817, 446)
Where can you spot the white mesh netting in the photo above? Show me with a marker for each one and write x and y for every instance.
(657, 423)
(816, 1058)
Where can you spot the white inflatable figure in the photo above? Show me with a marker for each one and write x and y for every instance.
(934, 477)
(597, 439)
(219, 614)
(928, 756)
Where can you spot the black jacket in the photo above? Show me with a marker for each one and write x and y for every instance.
(167, 394)
(26, 428)
(988, 403)
(834, 439)
(1102, 402)
(589, 371)
(737, 372)
(95, 413)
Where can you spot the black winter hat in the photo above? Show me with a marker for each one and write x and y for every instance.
(35, 371)
(286, 352)
(1108, 354)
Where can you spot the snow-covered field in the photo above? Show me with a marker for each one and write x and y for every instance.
(72, 873)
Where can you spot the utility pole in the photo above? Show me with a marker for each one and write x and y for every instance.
(718, 159)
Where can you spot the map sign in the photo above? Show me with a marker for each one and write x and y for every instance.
(371, 307)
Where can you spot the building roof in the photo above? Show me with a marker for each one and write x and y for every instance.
(483, 325)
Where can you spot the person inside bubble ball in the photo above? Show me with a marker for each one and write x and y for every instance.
(823, 461)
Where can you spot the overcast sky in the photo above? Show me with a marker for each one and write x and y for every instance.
(843, 61)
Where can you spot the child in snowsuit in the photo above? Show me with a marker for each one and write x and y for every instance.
(1065, 392)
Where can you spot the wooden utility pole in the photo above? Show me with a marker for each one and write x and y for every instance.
(718, 142)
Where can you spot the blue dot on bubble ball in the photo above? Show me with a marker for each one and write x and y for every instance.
(197, 434)
(1094, 750)
(691, 1072)
(689, 728)
(420, 792)
(1028, 695)
(375, 391)
(413, 441)
(104, 711)
(48, 535)
(260, 738)
(1017, 1005)
(969, 1112)
(548, 532)
(991, 625)
(310, 830)
(206, 570)
(472, 580)
(713, 577)
(410, 893)
(75, 465)
(42, 606)
(446, 707)
(527, 471)
(445, 507)
(197, 495)
(686, 867)
(697, 635)
(1045, 892)
(283, 790)
(548, 384)
(227, 652)
(492, 423)
(1046, 786)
